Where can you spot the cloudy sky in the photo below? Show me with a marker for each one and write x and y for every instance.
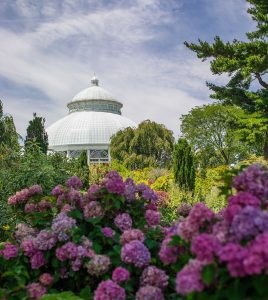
(51, 48)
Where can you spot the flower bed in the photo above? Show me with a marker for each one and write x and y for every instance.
(107, 243)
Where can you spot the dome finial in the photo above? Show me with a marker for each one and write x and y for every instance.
(94, 80)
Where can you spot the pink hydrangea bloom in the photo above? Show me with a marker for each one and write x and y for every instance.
(147, 193)
(37, 260)
(114, 183)
(34, 190)
(20, 197)
(123, 221)
(44, 205)
(28, 247)
(152, 217)
(93, 209)
(136, 253)
(98, 265)
(58, 190)
(74, 182)
(149, 292)
(46, 279)
(130, 235)
(67, 251)
(93, 191)
(189, 279)
(205, 246)
(109, 290)
(168, 254)
(24, 231)
(120, 274)
(155, 277)
(244, 199)
(9, 251)
(45, 240)
(30, 207)
(108, 232)
(35, 290)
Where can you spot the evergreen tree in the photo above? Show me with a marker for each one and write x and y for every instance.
(83, 169)
(36, 133)
(8, 134)
(183, 165)
(246, 63)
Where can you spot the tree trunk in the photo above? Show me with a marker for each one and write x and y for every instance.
(265, 148)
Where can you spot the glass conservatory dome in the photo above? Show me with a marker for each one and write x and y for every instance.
(94, 116)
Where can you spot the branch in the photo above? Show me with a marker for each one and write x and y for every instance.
(263, 83)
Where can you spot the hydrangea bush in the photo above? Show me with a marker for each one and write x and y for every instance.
(108, 243)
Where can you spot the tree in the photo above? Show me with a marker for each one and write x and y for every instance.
(246, 63)
(183, 165)
(216, 131)
(151, 144)
(8, 134)
(36, 133)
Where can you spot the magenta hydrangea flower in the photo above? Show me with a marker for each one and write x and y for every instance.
(45, 240)
(168, 254)
(46, 279)
(152, 217)
(109, 290)
(35, 190)
(98, 265)
(67, 251)
(189, 279)
(9, 251)
(123, 221)
(131, 235)
(205, 246)
(149, 292)
(114, 183)
(199, 216)
(108, 232)
(136, 253)
(254, 179)
(93, 209)
(20, 197)
(58, 190)
(74, 182)
(35, 290)
(154, 277)
(28, 247)
(92, 192)
(37, 260)
(120, 274)
(146, 192)
(30, 207)
(244, 199)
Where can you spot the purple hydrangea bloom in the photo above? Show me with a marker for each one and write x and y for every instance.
(130, 235)
(28, 247)
(184, 210)
(130, 190)
(244, 199)
(146, 192)
(123, 221)
(254, 179)
(45, 240)
(120, 274)
(9, 251)
(98, 265)
(30, 207)
(34, 190)
(152, 217)
(58, 190)
(155, 277)
(136, 253)
(205, 246)
(37, 260)
(248, 223)
(61, 226)
(108, 232)
(44, 205)
(35, 290)
(168, 254)
(24, 231)
(109, 290)
(74, 182)
(67, 251)
(189, 279)
(149, 292)
(93, 209)
(73, 197)
(93, 191)
(114, 183)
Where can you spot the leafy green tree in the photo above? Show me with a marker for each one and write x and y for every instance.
(218, 135)
(83, 169)
(150, 144)
(183, 165)
(246, 64)
(8, 134)
(36, 133)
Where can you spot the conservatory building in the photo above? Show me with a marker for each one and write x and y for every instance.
(94, 116)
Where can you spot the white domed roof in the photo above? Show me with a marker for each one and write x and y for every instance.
(84, 128)
(93, 93)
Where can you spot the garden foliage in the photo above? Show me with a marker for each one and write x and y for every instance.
(107, 243)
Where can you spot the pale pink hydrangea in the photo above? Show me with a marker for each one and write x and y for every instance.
(93, 209)
(120, 274)
(149, 292)
(136, 253)
(34, 190)
(24, 231)
(46, 279)
(109, 290)
(98, 265)
(45, 240)
(123, 221)
(189, 279)
(154, 277)
(131, 235)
